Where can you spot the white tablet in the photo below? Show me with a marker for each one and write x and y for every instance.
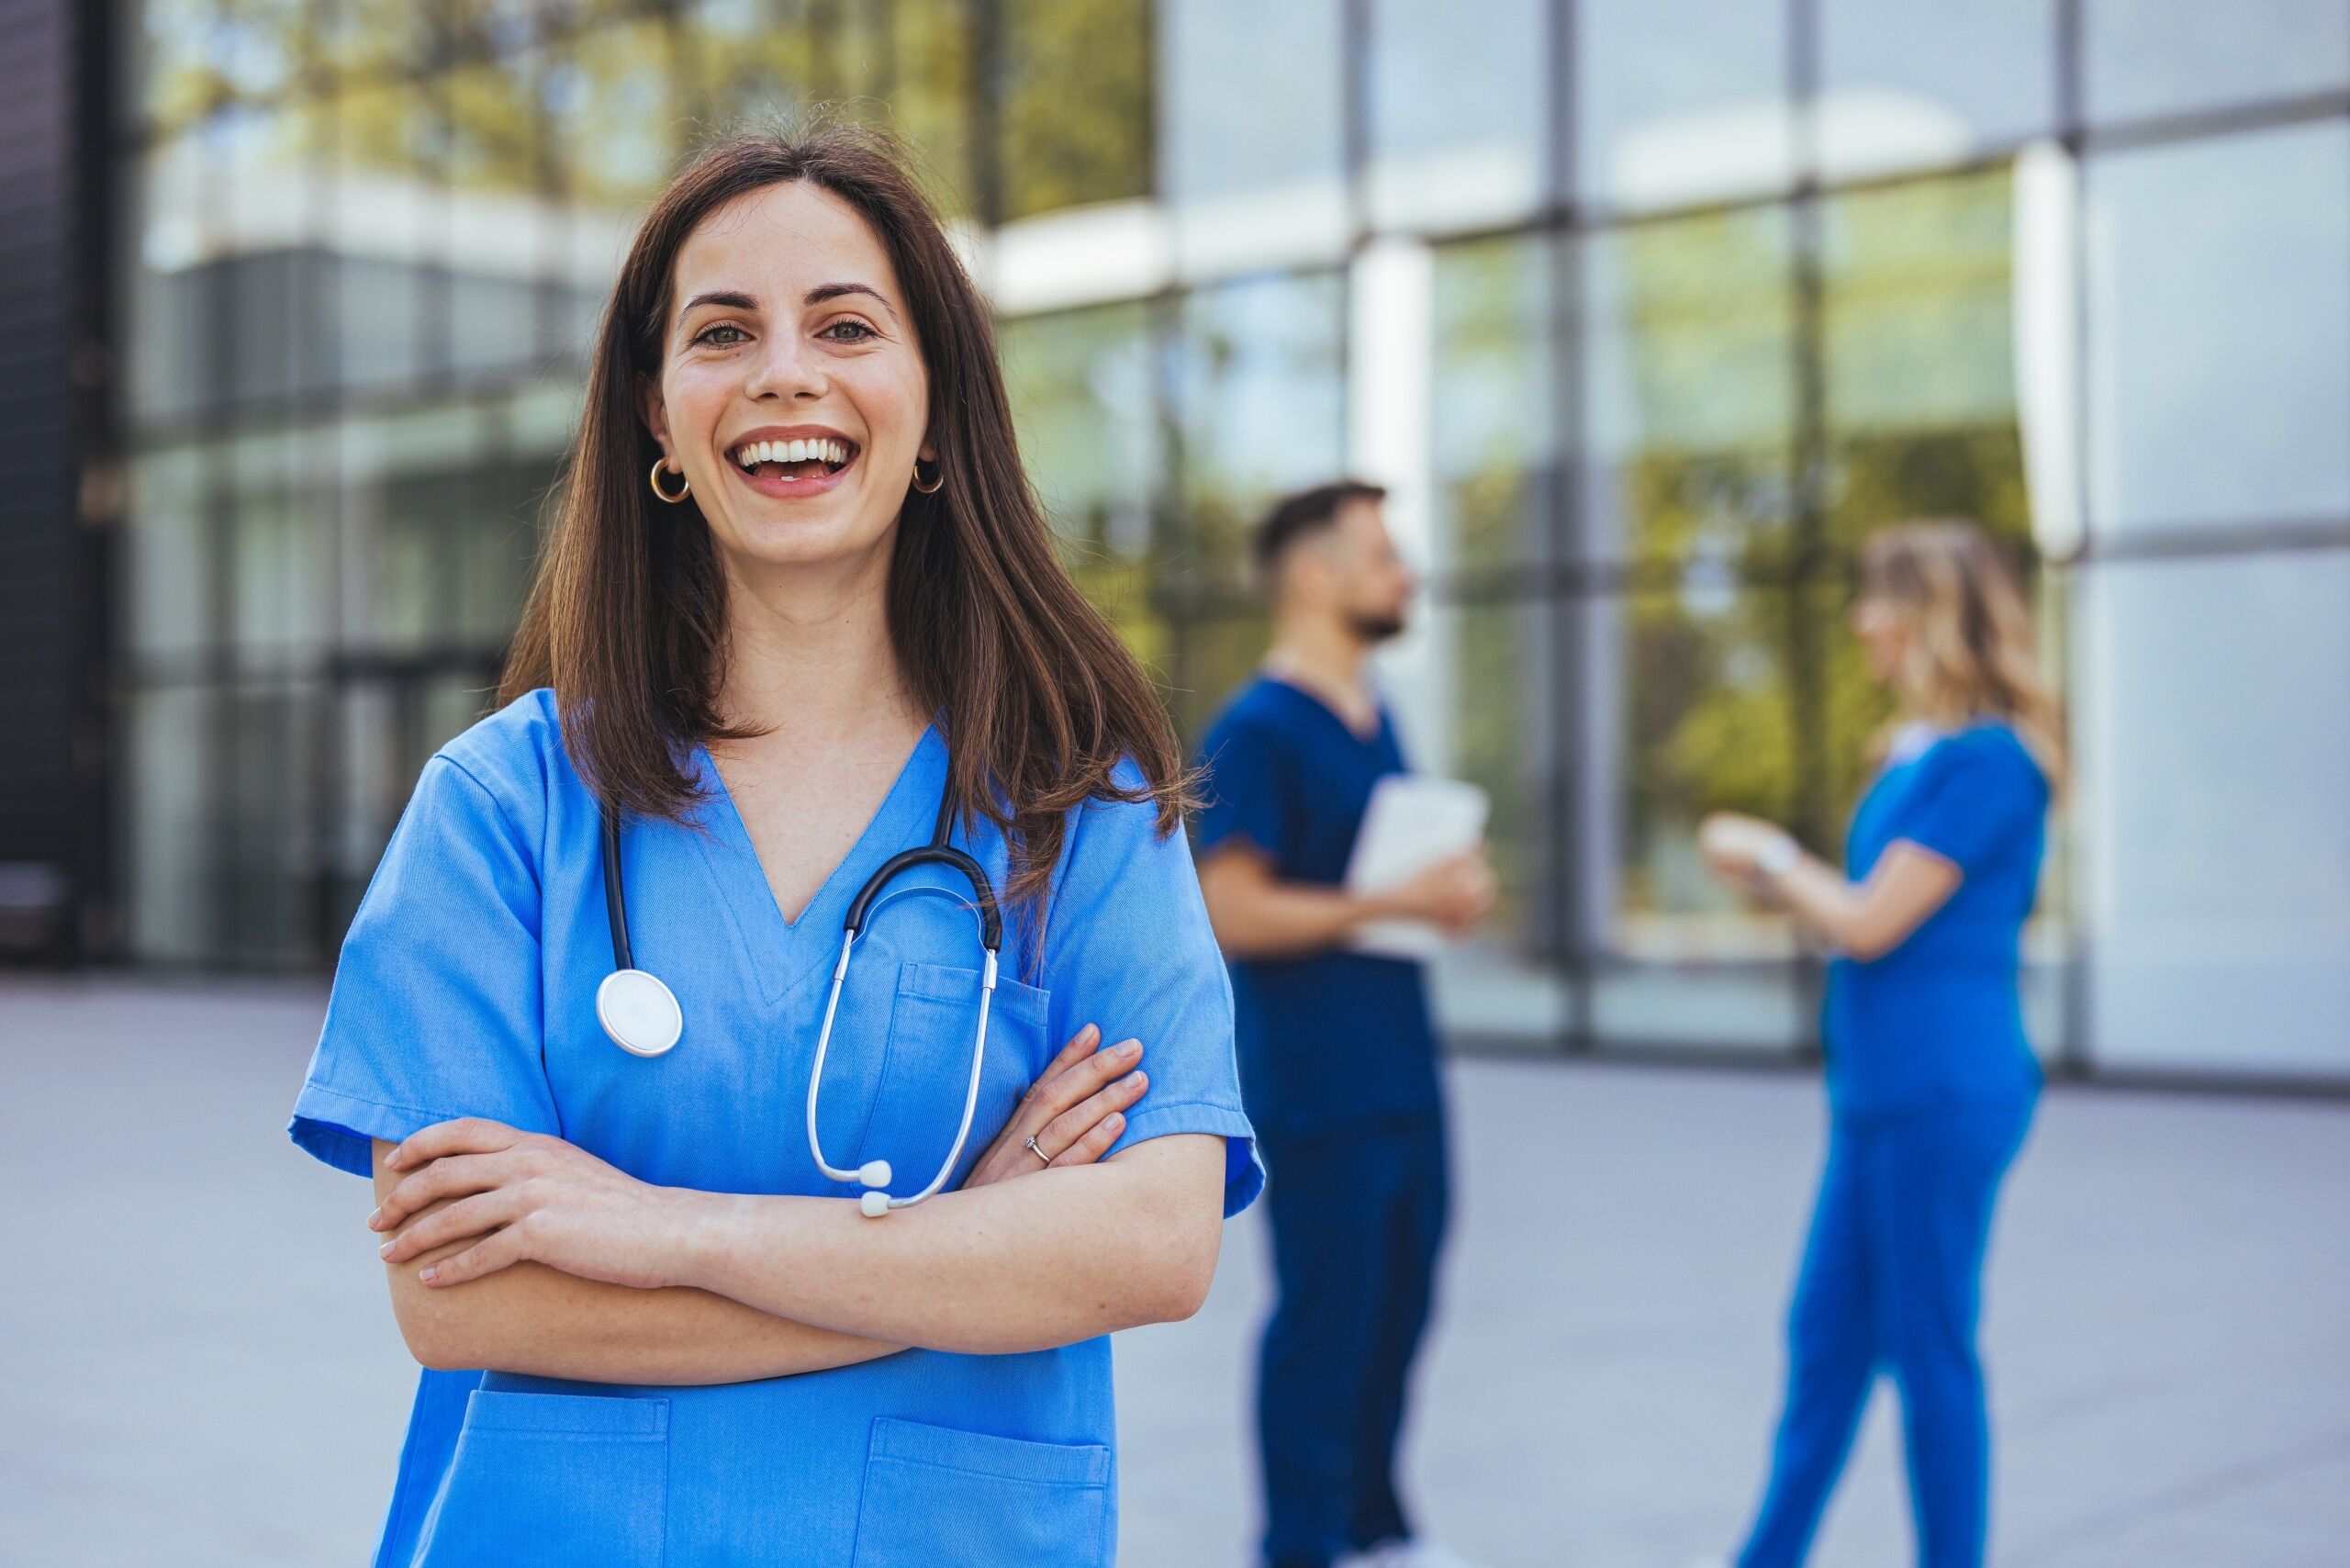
(1411, 822)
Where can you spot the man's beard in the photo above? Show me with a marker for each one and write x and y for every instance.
(1375, 628)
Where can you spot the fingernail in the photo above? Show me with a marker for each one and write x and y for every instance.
(392, 1161)
(1114, 1122)
(1128, 1049)
(429, 1274)
(1090, 1032)
(1137, 1080)
(375, 1218)
(386, 1250)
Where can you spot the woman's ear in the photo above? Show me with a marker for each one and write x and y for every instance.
(655, 411)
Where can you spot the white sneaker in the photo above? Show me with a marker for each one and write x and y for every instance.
(1405, 1554)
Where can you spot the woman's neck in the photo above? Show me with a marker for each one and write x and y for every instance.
(809, 655)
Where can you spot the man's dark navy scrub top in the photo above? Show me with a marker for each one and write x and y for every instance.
(1331, 1042)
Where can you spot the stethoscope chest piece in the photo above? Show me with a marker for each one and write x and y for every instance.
(639, 1013)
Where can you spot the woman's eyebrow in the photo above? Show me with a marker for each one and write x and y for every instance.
(824, 291)
(733, 300)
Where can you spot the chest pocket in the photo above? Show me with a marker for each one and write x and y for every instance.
(927, 1068)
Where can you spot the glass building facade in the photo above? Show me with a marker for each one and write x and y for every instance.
(1647, 311)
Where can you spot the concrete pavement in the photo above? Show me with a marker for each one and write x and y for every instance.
(200, 1368)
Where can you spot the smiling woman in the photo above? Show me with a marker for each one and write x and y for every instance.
(800, 613)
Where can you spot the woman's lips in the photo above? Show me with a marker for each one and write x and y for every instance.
(793, 487)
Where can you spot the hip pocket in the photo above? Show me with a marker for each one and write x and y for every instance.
(578, 1480)
(937, 1495)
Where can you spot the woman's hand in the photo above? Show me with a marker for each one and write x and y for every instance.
(1732, 846)
(532, 1198)
(1075, 1112)
(528, 1198)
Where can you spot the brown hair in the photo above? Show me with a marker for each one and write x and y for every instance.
(626, 618)
(1971, 654)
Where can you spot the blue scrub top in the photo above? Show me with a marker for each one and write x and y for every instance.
(467, 987)
(1331, 1042)
(1939, 1019)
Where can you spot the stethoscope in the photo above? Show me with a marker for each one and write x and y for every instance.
(641, 1012)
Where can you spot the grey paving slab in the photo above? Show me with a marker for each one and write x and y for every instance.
(199, 1367)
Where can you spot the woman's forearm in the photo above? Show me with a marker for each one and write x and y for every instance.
(1868, 920)
(536, 1320)
(1021, 1265)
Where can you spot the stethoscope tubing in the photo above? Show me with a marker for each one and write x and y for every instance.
(876, 1175)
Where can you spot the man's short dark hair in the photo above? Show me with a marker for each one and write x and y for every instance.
(1304, 514)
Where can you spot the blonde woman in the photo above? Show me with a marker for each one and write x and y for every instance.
(1930, 1082)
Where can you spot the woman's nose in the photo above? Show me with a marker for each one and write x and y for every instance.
(785, 369)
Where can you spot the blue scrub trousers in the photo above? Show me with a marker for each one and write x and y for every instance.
(1357, 1219)
(1892, 1278)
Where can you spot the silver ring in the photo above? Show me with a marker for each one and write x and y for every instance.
(1038, 1152)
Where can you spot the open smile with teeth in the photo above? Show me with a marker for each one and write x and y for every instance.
(793, 459)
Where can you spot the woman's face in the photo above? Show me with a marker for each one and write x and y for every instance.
(793, 391)
(1883, 627)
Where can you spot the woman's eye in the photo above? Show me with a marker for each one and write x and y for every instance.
(848, 329)
(705, 335)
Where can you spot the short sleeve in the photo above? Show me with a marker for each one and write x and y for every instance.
(1127, 946)
(1243, 790)
(434, 1012)
(1979, 794)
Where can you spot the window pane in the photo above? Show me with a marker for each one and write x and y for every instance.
(2165, 57)
(1260, 410)
(2214, 746)
(175, 368)
(616, 122)
(281, 527)
(172, 558)
(174, 893)
(1074, 101)
(387, 209)
(1081, 397)
(2218, 310)
(928, 73)
(1681, 101)
(1918, 301)
(501, 226)
(271, 840)
(406, 517)
(1473, 686)
(1460, 117)
(1911, 84)
(1689, 394)
(1687, 713)
(1494, 414)
(172, 70)
(1251, 139)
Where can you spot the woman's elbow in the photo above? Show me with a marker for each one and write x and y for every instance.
(1181, 1270)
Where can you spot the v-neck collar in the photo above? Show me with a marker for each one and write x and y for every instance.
(783, 952)
(1308, 695)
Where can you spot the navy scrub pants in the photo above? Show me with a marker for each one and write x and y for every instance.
(1356, 1221)
(1892, 1278)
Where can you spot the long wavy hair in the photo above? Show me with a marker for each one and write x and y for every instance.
(626, 618)
(1972, 652)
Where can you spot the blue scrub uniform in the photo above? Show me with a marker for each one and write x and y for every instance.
(1338, 1053)
(1931, 1089)
(467, 987)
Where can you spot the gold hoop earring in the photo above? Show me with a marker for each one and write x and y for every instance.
(937, 481)
(684, 489)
